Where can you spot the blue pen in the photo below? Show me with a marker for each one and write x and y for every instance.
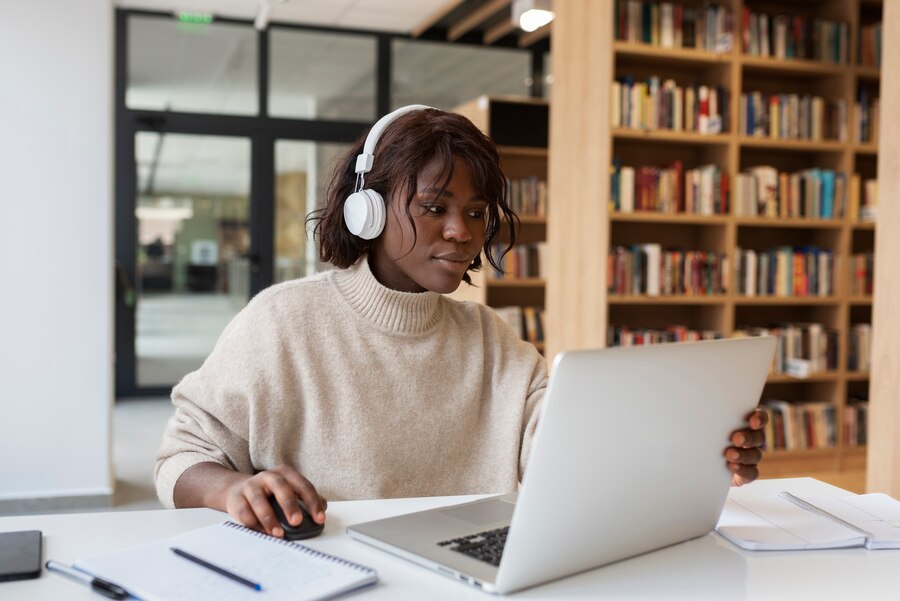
(98, 585)
(202, 562)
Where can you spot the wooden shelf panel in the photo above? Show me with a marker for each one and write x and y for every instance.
(785, 455)
(792, 145)
(670, 137)
(654, 217)
(861, 300)
(801, 222)
(863, 225)
(516, 282)
(785, 300)
(817, 377)
(794, 66)
(867, 149)
(857, 376)
(523, 151)
(868, 73)
(714, 299)
(658, 54)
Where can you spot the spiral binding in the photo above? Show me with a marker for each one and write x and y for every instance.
(302, 548)
(822, 513)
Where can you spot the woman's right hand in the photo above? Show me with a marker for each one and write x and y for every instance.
(247, 500)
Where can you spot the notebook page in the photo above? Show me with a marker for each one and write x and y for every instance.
(773, 523)
(154, 573)
(877, 514)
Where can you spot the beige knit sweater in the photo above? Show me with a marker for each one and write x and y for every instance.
(366, 391)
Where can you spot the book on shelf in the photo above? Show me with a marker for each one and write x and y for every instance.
(665, 105)
(866, 118)
(859, 347)
(862, 203)
(794, 37)
(674, 25)
(647, 269)
(621, 335)
(527, 322)
(800, 425)
(870, 45)
(813, 193)
(527, 196)
(856, 418)
(862, 272)
(811, 347)
(787, 522)
(704, 190)
(785, 271)
(522, 261)
(792, 117)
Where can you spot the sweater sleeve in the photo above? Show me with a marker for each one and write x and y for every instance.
(214, 405)
(534, 402)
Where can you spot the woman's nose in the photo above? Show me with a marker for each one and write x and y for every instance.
(455, 229)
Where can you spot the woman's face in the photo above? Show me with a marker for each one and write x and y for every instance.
(449, 233)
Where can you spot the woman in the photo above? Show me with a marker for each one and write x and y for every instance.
(365, 381)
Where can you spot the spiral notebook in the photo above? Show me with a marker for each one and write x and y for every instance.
(786, 522)
(284, 569)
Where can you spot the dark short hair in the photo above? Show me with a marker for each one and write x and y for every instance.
(405, 147)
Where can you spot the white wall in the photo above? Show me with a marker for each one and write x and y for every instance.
(56, 357)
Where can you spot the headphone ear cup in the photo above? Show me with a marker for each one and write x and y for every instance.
(364, 214)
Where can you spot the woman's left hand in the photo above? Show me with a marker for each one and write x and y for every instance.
(744, 456)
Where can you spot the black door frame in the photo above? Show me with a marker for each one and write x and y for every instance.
(262, 130)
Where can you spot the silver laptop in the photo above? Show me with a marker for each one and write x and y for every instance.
(628, 458)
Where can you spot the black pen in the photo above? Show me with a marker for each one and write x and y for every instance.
(98, 585)
(181, 553)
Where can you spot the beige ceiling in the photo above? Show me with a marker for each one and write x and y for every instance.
(400, 16)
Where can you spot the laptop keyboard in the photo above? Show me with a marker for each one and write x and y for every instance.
(484, 546)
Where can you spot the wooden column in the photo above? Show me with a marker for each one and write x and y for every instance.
(884, 388)
(577, 229)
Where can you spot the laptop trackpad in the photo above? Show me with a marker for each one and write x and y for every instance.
(482, 514)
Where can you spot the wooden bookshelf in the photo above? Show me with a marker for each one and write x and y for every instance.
(577, 255)
(523, 153)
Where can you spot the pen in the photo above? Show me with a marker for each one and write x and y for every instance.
(216, 569)
(107, 589)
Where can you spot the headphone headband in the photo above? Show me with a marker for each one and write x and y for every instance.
(365, 160)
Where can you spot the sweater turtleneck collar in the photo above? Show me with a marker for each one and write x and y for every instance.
(391, 310)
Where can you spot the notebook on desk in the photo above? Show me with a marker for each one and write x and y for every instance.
(285, 570)
(628, 458)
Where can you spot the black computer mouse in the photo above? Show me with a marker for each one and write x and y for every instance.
(308, 528)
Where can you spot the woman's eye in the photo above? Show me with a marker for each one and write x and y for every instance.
(477, 214)
(436, 209)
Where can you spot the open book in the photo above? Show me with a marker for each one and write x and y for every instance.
(285, 570)
(786, 522)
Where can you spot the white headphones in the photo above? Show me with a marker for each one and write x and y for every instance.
(364, 210)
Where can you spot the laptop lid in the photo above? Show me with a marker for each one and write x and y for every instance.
(628, 458)
(629, 454)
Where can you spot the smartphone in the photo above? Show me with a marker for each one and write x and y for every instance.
(20, 555)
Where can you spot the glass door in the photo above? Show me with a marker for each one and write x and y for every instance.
(192, 249)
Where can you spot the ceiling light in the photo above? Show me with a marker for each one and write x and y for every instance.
(262, 16)
(532, 14)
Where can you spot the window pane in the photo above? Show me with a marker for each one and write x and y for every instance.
(302, 172)
(316, 75)
(191, 67)
(445, 76)
(193, 274)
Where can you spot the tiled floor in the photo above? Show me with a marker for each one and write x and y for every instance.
(137, 431)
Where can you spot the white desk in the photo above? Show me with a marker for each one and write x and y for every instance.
(705, 568)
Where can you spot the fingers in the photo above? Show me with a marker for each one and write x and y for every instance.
(249, 501)
(743, 456)
(314, 502)
(742, 474)
(748, 438)
(757, 419)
